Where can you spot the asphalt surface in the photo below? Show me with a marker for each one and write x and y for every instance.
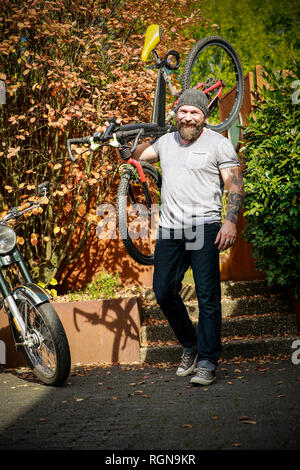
(251, 406)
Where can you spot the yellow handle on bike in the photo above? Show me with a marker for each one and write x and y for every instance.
(152, 38)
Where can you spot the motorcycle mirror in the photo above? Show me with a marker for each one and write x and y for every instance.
(43, 187)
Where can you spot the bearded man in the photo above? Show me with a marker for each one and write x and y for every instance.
(196, 163)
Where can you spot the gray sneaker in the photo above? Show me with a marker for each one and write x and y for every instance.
(203, 376)
(187, 364)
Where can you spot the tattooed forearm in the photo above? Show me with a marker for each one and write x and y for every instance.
(234, 183)
(234, 178)
(235, 204)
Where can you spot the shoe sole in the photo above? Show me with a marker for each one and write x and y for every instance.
(198, 381)
(188, 371)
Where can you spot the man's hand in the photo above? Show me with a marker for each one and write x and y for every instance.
(226, 236)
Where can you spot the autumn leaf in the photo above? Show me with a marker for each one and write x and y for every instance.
(45, 201)
(34, 238)
(68, 207)
(13, 151)
(81, 209)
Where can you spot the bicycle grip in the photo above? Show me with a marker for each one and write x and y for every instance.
(82, 140)
(130, 133)
(111, 127)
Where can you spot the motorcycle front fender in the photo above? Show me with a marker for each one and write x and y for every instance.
(36, 294)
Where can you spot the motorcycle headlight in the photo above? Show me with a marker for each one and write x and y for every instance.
(8, 239)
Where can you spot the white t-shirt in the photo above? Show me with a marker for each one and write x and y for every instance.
(192, 185)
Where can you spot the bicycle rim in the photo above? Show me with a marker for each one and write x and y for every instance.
(138, 221)
(211, 59)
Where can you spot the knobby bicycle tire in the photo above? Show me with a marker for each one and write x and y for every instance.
(51, 361)
(131, 198)
(189, 78)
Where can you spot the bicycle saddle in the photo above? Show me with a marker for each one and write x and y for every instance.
(152, 38)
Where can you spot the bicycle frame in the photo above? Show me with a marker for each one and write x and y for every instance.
(152, 38)
(158, 125)
(159, 104)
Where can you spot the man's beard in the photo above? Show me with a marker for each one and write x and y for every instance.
(190, 133)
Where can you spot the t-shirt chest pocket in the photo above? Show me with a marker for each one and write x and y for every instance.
(196, 160)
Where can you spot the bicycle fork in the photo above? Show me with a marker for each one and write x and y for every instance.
(32, 292)
(141, 176)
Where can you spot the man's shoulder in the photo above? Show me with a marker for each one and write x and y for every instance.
(166, 139)
(216, 136)
(168, 136)
(221, 142)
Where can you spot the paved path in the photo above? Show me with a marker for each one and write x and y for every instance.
(251, 406)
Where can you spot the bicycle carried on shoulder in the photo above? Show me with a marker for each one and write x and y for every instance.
(215, 61)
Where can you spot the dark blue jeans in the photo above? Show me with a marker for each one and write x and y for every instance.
(175, 251)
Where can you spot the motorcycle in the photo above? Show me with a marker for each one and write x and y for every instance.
(36, 327)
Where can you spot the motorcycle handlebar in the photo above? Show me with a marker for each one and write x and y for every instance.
(15, 213)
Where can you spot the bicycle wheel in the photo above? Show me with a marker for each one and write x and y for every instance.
(211, 59)
(137, 219)
(49, 355)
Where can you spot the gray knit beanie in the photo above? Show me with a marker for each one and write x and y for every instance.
(194, 97)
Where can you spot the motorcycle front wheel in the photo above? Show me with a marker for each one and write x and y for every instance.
(49, 355)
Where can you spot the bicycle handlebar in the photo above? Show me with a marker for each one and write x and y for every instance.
(83, 140)
(126, 134)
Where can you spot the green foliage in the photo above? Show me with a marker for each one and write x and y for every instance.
(104, 286)
(272, 180)
(262, 31)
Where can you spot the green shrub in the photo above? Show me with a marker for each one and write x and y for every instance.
(272, 180)
(104, 285)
